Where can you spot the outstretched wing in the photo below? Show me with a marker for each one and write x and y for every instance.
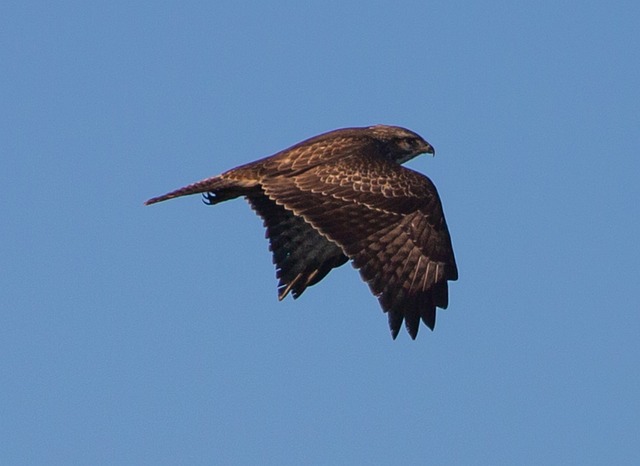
(302, 256)
(388, 220)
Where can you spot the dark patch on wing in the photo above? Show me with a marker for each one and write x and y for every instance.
(302, 256)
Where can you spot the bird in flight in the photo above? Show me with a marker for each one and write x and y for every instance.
(344, 195)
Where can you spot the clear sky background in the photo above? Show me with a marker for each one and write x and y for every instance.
(152, 335)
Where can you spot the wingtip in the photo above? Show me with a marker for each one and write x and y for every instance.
(395, 323)
(413, 332)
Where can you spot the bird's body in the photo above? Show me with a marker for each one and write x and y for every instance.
(342, 196)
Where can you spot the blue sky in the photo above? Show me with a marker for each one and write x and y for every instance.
(152, 335)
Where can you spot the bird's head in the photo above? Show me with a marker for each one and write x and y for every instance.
(401, 143)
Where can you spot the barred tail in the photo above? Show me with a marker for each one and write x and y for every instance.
(218, 186)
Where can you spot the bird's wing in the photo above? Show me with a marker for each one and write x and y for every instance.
(388, 220)
(302, 256)
(307, 154)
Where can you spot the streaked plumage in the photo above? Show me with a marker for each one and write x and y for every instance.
(342, 196)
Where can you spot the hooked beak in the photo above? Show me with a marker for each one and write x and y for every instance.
(428, 149)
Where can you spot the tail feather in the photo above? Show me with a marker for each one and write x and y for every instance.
(215, 185)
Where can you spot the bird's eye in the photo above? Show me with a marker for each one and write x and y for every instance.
(406, 143)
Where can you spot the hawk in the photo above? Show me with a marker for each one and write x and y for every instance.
(344, 195)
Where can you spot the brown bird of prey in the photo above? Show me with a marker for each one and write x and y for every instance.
(344, 195)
